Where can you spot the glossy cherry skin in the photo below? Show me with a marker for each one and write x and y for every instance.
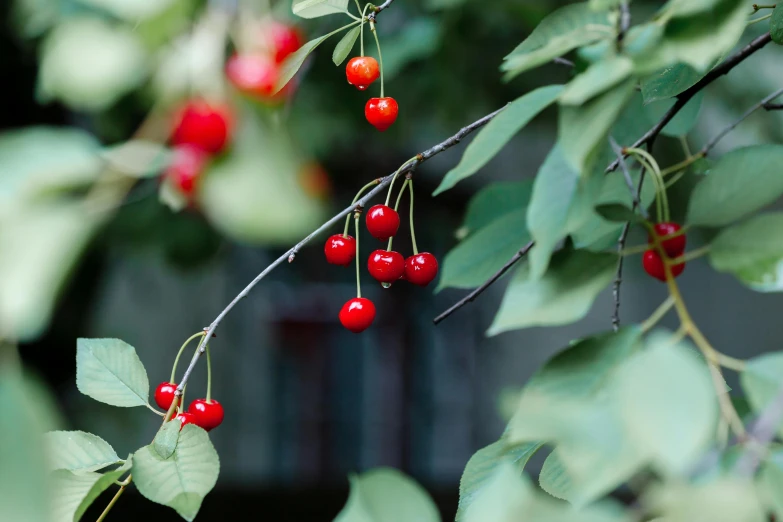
(203, 125)
(340, 250)
(164, 395)
(675, 246)
(362, 71)
(357, 314)
(382, 222)
(381, 112)
(283, 40)
(653, 265)
(186, 418)
(256, 75)
(421, 269)
(187, 165)
(208, 414)
(386, 266)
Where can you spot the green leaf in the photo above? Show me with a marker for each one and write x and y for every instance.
(345, 45)
(669, 82)
(581, 148)
(753, 252)
(741, 182)
(166, 439)
(563, 295)
(563, 30)
(604, 4)
(292, 64)
(481, 467)
(108, 370)
(132, 11)
(762, 380)
(667, 402)
(771, 482)
(683, 122)
(387, 495)
(138, 158)
(725, 499)
(482, 254)
(86, 76)
(618, 213)
(776, 24)
(495, 201)
(72, 493)
(596, 79)
(507, 496)
(182, 480)
(316, 8)
(78, 451)
(498, 132)
(31, 277)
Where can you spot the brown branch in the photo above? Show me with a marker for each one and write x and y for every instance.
(478, 291)
(291, 254)
(763, 103)
(378, 9)
(773, 106)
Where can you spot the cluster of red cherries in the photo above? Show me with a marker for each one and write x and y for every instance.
(385, 266)
(381, 112)
(204, 413)
(674, 247)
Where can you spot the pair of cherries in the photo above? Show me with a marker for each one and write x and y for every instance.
(361, 71)
(674, 248)
(204, 413)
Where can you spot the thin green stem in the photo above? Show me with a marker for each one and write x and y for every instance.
(358, 7)
(690, 256)
(355, 199)
(153, 410)
(113, 501)
(380, 56)
(658, 314)
(760, 19)
(630, 251)
(396, 206)
(757, 7)
(396, 174)
(361, 30)
(686, 149)
(652, 166)
(179, 353)
(677, 177)
(209, 375)
(413, 233)
(681, 165)
(732, 363)
(356, 231)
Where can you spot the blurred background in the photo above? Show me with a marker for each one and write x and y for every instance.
(306, 401)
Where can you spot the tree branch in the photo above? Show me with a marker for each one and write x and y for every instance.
(378, 9)
(475, 293)
(763, 103)
(291, 254)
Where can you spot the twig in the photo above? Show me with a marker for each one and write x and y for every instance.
(742, 118)
(475, 293)
(773, 106)
(623, 23)
(378, 9)
(291, 254)
(563, 61)
(683, 98)
(113, 501)
(635, 191)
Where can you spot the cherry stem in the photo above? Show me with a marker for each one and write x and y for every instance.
(658, 314)
(361, 30)
(380, 56)
(209, 376)
(391, 185)
(396, 206)
(355, 199)
(757, 20)
(661, 200)
(690, 256)
(413, 233)
(176, 361)
(356, 231)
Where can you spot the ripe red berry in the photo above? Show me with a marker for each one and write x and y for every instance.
(186, 418)
(362, 71)
(282, 39)
(187, 165)
(357, 314)
(382, 222)
(340, 250)
(386, 266)
(208, 414)
(653, 265)
(203, 125)
(421, 269)
(381, 112)
(675, 246)
(254, 74)
(164, 395)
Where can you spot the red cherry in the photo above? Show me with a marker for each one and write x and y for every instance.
(675, 246)
(361, 72)
(421, 269)
(164, 395)
(653, 265)
(283, 40)
(382, 222)
(254, 74)
(185, 169)
(203, 125)
(340, 250)
(186, 418)
(357, 314)
(381, 112)
(385, 266)
(208, 414)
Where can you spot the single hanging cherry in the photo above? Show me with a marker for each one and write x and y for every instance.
(382, 222)
(386, 266)
(653, 265)
(421, 269)
(340, 250)
(675, 246)
(164, 395)
(357, 314)
(381, 112)
(361, 71)
(186, 418)
(208, 414)
(203, 125)
(283, 40)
